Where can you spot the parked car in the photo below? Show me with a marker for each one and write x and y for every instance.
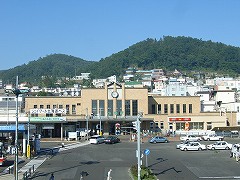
(193, 146)
(181, 144)
(158, 139)
(96, 139)
(111, 140)
(212, 137)
(220, 145)
(190, 137)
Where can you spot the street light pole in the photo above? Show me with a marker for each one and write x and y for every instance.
(87, 121)
(16, 135)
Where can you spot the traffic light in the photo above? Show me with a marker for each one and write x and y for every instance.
(135, 125)
(117, 128)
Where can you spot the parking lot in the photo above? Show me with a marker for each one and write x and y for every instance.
(207, 164)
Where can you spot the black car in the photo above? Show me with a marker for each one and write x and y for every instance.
(111, 140)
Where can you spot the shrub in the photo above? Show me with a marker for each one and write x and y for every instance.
(145, 174)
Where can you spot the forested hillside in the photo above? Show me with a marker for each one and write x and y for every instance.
(56, 65)
(168, 53)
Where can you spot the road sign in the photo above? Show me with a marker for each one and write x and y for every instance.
(146, 151)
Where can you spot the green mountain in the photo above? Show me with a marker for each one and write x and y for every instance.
(168, 53)
(55, 65)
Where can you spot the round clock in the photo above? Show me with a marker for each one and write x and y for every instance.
(114, 94)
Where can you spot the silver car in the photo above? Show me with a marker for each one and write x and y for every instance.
(178, 146)
(96, 139)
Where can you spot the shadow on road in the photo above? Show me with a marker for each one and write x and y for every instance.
(38, 174)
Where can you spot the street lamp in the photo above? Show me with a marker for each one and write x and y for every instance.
(17, 92)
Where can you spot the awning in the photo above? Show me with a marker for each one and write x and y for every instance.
(12, 128)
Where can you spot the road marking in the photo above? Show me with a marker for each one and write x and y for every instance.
(223, 177)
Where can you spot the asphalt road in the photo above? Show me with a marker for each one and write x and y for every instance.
(164, 159)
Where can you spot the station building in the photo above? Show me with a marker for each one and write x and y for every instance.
(115, 104)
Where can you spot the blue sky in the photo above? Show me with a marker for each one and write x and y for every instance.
(95, 29)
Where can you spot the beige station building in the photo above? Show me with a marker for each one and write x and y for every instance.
(116, 105)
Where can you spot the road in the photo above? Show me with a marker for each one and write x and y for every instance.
(164, 159)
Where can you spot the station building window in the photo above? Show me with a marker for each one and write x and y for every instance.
(171, 108)
(180, 126)
(73, 109)
(127, 108)
(94, 107)
(190, 108)
(153, 109)
(101, 108)
(134, 107)
(165, 108)
(184, 108)
(119, 107)
(159, 109)
(161, 125)
(67, 109)
(48, 106)
(151, 125)
(209, 125)
(110, 107)
(178, 108)
(196, 125)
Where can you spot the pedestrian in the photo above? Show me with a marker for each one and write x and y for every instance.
(52, 177)
(237, 154)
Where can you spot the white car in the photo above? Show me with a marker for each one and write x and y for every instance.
(181, 144)
(190, 137)
(96, 139)
(212, 137)
(193, 146)
(220, 145)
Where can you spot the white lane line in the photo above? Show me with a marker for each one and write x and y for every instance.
(223, 177)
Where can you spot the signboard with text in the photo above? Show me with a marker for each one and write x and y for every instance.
(47, 119)
(179, 119)
(48, 111)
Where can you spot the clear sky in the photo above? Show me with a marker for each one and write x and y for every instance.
(95, 29)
